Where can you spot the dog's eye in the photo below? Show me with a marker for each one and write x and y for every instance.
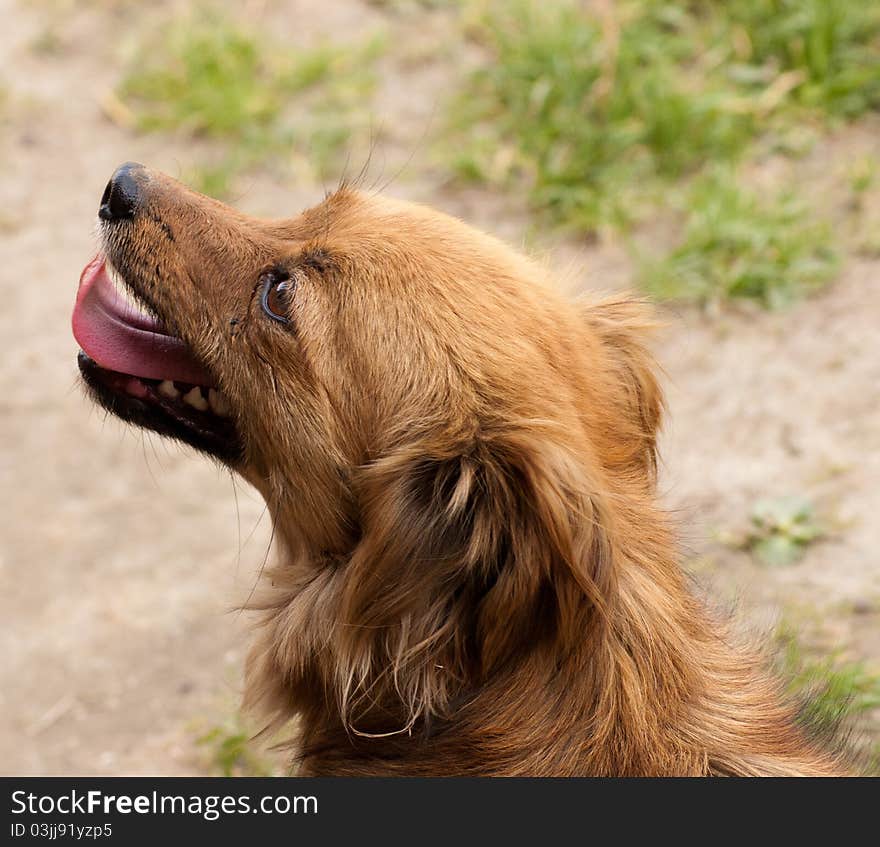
(277, 293)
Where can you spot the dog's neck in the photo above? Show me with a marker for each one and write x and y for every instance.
(646, 694)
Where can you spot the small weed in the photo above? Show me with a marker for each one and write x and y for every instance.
(861, 178)
(779, 530)
(48, 42)
(862, 175)
(782, 529)
(232, 751)
(738, 245)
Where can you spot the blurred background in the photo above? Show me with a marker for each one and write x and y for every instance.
(719, 155)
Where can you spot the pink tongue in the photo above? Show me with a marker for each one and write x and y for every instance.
(119, 338)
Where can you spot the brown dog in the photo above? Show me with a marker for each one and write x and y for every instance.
(474, 577)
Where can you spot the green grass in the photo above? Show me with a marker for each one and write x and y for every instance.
(594, 117)
(580, 117)
(832, 45)
(212, 78)
(231, 750)
(737, 244)
(835, 693)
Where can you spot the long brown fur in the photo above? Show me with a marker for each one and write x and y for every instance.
(473, 577)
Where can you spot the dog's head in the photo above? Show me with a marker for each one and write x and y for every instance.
(451, 439)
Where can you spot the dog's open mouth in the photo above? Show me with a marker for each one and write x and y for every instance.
(141, 372)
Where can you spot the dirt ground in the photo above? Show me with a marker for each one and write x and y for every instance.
(122, 558)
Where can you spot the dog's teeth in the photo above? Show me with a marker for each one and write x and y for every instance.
(219, 403)
(167, 389)
(195, 399)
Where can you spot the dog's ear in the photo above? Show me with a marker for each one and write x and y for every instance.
(469, 556)
(622, 326)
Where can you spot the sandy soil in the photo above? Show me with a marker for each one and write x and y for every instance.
(121, 558)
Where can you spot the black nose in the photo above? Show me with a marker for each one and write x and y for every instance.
(120, 198)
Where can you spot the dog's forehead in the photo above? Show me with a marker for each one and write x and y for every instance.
(401, 238)
(357, 218)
